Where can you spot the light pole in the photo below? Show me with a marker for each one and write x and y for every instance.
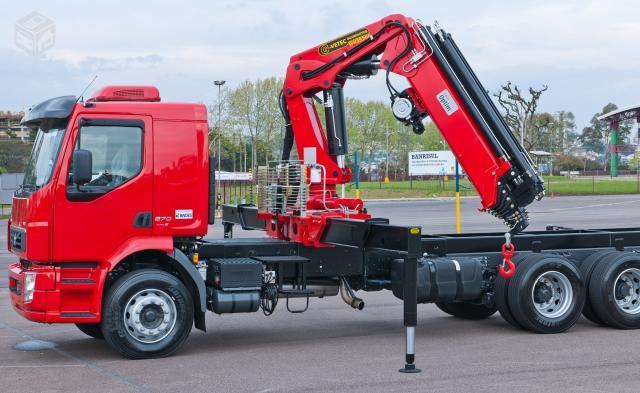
(386, 173)
(219, 83)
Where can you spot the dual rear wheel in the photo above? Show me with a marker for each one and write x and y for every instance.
(614, 291)
(548, 293)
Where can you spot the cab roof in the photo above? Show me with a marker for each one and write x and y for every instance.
(117, 100)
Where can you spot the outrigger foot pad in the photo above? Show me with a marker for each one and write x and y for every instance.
(410, 369)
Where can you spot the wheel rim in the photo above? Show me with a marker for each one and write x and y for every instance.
(150, 315)
(626, 291)
(552, 294)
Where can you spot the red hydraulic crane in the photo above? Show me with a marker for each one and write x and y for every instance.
(442, 86)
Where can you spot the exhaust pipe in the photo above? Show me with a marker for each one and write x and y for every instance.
(346, 292)
(317, 290)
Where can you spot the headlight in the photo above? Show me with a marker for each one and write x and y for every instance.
(29, 286)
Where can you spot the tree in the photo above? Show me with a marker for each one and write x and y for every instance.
(540, 130)
(635, 162)
(564, 133)
(591, 139)
(519, 109)
(554, 133)
(253, 115)
(14, 155)
(366, 125)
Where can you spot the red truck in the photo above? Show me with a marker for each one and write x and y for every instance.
(120, 191)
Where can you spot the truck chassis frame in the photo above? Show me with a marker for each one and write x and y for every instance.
(358, 244)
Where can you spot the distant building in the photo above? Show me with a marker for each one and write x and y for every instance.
(10, 126)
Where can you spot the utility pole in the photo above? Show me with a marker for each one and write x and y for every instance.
(219, 83)
(234, 154)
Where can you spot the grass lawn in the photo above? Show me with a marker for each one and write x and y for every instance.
(4, 211)
(556, 185)
(415, 189)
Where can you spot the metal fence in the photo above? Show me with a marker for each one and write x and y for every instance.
(234, 188)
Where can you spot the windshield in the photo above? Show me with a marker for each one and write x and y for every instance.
(43, 156)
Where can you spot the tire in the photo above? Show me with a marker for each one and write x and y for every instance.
(443, 307)
(148, 313)
(551, 281)
(613, 273)
(586, 268)
(91, 329)
(466, 310)
(501, 293)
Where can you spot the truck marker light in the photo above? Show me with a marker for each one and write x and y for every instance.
(196, 258)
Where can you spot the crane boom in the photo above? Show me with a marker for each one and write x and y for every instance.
(442, 86)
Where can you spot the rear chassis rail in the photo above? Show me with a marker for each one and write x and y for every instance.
(375, 233)
(366, 248)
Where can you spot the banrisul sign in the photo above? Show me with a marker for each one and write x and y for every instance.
(423, 163)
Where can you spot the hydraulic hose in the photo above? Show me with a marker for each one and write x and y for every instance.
(287, 145)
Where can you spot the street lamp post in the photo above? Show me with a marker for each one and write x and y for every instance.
(386, 173)
(219, 83)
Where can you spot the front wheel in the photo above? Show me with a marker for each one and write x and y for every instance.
(147, 314)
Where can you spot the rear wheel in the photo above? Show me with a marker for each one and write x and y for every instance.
(148, 314)
(466, 310)
(614, 290)
(547, 294)
(91, 329)
(501, 292)
(586, 268)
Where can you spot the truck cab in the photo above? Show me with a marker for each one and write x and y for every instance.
(109, 178)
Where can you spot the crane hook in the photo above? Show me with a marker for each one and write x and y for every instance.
(507, 268)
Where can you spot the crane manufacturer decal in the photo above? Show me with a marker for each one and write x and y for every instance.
(350, 39)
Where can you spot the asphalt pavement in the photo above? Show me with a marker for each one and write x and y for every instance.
(334, 348)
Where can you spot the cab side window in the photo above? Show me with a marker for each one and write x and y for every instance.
(116, 154)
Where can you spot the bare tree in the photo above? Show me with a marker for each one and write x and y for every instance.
(519, 109)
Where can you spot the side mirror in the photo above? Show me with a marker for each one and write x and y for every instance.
(82, 167)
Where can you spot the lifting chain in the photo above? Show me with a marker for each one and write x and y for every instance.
(507, 268)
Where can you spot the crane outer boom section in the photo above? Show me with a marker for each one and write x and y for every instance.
(442, 86)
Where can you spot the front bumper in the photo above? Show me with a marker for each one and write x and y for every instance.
(61, 294)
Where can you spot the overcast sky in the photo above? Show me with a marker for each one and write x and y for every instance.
(586, 51)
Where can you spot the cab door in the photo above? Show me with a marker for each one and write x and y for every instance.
(92, 220)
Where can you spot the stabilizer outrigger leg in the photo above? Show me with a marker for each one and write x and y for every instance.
(410, 299)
